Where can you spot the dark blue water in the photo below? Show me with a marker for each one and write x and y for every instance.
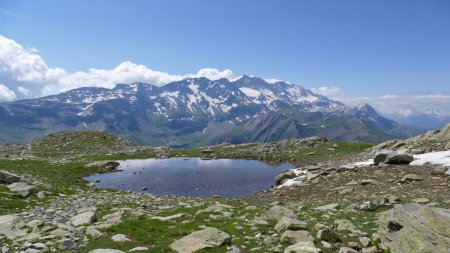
(192, 176)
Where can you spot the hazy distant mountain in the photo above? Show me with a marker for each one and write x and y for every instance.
(197, 111)
(428, 119)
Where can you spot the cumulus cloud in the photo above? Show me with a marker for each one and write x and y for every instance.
(405, 105)
(6, 94)
(331, 92)
(24, 91)
(26, 72)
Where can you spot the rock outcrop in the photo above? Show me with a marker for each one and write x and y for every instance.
(206, 238)
(415, 228)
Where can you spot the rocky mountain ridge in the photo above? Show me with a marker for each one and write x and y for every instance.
(193, 112)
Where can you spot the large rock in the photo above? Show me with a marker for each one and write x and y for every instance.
(286, 223)
(381, 156)
(399, 159)
(278, 212)
(302, 247)
(7, 223)
(83, 218)
(21, 187)
(296, 236)
(206, 238)
(415, 228)
(8, 178)
(288, 174)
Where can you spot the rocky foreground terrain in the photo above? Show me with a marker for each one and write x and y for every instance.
(330, 203)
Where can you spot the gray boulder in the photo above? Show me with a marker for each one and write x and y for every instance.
(8, 178)
(328, 235)
(7, 227)
(206, 238)
(22, 188)
(288, 174)
(415, 228)
(278, 212)
(83, 218)
(296, 236)
(399, 159)
(380, 157)
(347, 250)
(286, 223)
(302, 247)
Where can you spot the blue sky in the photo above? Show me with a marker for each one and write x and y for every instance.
(359, 48)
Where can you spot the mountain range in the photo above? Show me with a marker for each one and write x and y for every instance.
(197, 111)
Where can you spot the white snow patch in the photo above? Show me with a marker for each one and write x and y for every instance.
(438, 158)
(250, 92)
(301, 175)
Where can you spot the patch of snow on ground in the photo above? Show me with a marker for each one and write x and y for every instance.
(363, 163)
(301, 176)
(438, 158)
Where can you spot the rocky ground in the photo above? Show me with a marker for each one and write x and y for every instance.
(334, 206)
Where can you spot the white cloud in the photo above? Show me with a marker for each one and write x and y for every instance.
(404, 105)
(331, 92)
(6, 94)
(23, 69)
(24, 91)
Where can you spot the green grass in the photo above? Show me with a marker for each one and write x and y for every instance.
(56, 179)
(288, 153)
(158, 235)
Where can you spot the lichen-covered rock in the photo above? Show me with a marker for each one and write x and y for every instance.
(206, 238)
(7, 227)
(286, 223)
(83, 219)
(278, 212)
(8, 178)
(328, 234)
(415, 228)
(302, 247)
(296, 236)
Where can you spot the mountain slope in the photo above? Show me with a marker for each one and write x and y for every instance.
(195, 111)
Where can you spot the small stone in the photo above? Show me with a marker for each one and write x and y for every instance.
(41, 195)
(65, 244)
(411, 177)
(302, 247)
(138, 249)
(120, 238)
(369, 250)
(365, 241)
(93, 232)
